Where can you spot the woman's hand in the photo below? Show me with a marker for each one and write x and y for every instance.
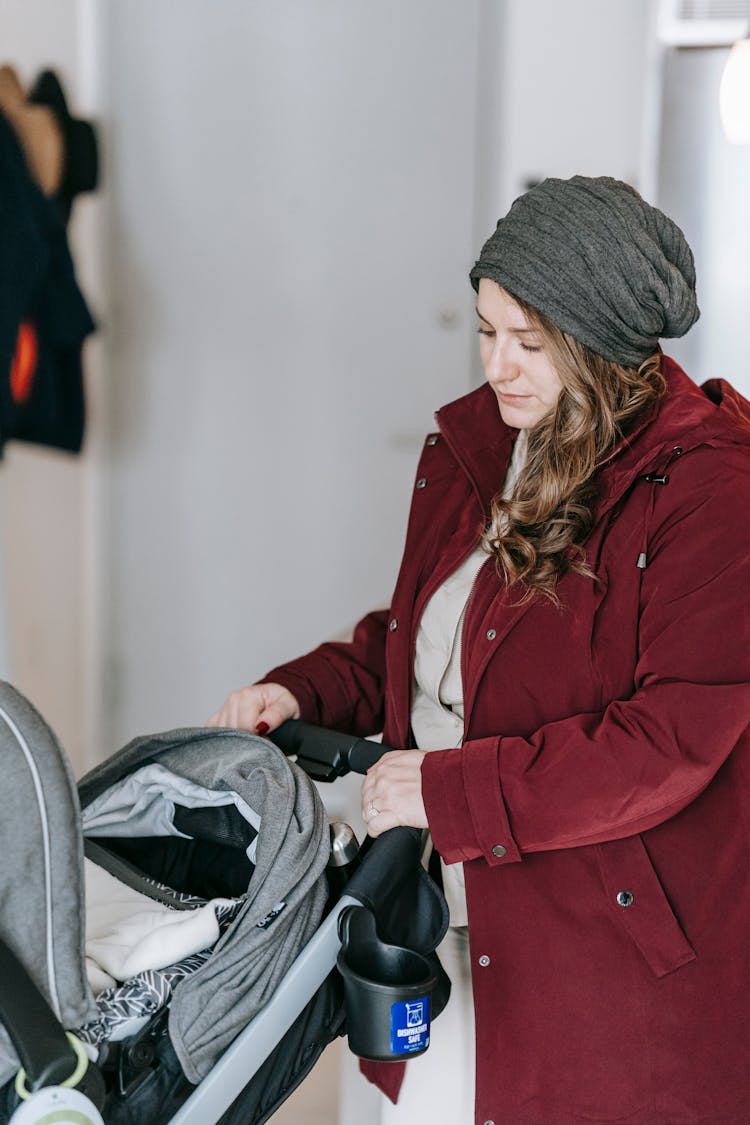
(392, 792)
(258, 707)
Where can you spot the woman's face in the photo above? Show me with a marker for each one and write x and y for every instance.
(522, 377)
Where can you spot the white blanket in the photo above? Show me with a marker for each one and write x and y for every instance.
(127, 932)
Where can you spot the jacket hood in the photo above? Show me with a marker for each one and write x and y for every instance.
(731, 402)
(686, 417)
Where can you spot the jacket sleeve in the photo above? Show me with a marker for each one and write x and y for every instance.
(341, 684)
(601, 776)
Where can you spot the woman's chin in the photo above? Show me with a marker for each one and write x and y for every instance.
(521, 415)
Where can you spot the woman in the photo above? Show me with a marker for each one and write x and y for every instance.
(570, 639)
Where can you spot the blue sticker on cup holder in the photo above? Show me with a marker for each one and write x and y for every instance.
(410, 1026)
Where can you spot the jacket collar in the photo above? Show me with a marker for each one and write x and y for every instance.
(479, 440)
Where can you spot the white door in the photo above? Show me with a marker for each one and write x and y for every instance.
(292, 192)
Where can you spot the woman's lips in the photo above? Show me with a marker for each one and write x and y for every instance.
(510, 399)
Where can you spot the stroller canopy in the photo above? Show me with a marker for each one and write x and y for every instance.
(214, 787)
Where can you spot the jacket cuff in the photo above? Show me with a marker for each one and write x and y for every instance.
(301, 689)
(323, 697)
(464, 803)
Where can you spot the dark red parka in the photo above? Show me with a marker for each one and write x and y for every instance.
(601, 799)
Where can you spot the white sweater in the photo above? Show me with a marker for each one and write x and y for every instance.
(437, 715)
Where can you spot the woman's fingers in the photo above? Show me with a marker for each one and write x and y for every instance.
(381, 823)
(276, 713)
(392, 792)
(258, 707)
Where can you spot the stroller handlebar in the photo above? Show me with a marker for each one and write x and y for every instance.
(326, 754)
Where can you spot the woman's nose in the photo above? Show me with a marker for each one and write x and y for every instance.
(501, 365)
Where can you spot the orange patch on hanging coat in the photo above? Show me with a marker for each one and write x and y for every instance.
(24, 363)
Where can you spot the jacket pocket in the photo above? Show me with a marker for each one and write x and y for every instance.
(637, 899)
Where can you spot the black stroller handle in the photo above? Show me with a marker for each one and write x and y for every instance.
(40, 1042)
(326, 754)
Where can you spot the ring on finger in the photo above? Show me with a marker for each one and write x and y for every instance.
(371, 811)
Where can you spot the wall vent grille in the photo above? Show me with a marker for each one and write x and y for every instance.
(714, 9)
(703, 23)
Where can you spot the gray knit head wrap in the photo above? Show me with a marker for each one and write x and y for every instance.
(599, 262)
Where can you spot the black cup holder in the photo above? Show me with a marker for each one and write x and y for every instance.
(387, 991)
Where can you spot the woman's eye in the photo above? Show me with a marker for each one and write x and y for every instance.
(531, 347)
(485, 331)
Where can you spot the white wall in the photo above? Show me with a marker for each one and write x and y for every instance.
(704, 183)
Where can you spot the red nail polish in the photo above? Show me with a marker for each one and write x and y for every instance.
(262, 728)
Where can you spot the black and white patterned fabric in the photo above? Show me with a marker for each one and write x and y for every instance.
(124, 1008)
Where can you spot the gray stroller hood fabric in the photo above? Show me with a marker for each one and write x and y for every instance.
(41, 896)
(41, 893)
(286, 895)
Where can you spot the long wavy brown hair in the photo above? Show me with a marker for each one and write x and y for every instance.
(537, 535)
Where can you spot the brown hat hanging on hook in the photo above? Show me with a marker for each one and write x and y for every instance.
(80, 166)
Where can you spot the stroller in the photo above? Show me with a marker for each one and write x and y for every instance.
(219, 829)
